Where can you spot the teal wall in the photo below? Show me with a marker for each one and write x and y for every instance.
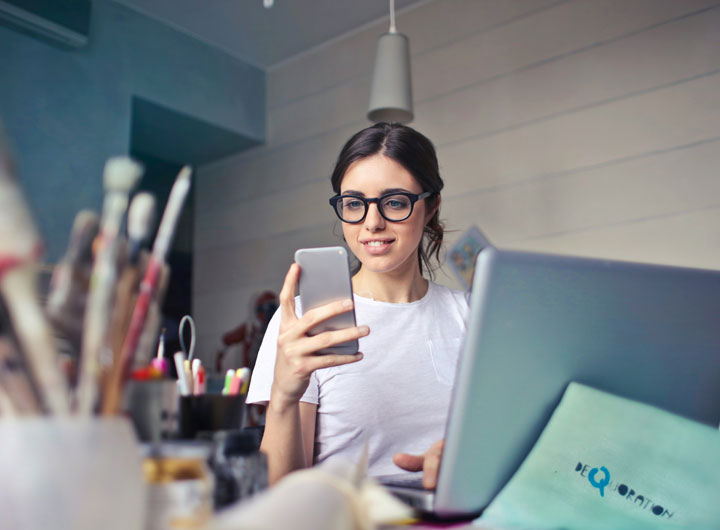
(66, 111)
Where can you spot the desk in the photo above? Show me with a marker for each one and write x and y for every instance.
(435, 526)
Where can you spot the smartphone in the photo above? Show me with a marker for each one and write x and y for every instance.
(325, 278)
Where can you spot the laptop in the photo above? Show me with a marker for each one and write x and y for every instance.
(646, 332)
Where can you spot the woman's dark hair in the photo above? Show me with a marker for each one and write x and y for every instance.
(416, 154)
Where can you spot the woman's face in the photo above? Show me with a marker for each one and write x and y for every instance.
(380, 245)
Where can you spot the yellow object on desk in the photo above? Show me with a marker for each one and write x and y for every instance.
(180, 486)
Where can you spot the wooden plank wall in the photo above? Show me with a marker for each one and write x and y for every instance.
(588, 127)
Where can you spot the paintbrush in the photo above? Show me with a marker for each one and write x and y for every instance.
(20, 248)
(153, 320)
(139, 225)
(71, 279)
(152, 276)
(141, 215)
(120, 176)
(140, 221)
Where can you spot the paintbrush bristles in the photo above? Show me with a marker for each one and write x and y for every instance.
(85, 228)
(172, 211)
(121, 174)
(140, 216)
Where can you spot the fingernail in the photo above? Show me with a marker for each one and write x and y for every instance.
(364, 330)
(347, 303)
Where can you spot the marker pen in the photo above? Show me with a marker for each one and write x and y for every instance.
(183, 385)
(245, 378)
(229, 376)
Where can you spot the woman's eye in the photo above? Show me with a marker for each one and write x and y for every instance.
(396, 204)
(352, 204)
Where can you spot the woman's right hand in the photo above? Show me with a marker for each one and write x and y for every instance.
(296, 351)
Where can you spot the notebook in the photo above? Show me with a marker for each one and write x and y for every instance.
(646, 332)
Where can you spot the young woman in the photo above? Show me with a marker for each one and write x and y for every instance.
(395, 393)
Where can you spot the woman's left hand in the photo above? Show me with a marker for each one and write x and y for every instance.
(428, 463)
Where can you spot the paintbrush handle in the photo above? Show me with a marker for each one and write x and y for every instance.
(169, 220)
(113, 394)
(112, 379)
(140, 311)
(126, 289)
(17, 287)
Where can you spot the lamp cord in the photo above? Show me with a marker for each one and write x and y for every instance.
(392, 17)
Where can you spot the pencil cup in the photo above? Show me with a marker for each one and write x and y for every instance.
(153, 407)
(70, 473)
(210, 413)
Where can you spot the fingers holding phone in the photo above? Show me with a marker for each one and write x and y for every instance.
(287, 295)
(322, 329)
(324, 280)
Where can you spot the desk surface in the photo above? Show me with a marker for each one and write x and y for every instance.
(435, 526)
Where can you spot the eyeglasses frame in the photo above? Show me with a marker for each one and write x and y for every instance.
(414, 197)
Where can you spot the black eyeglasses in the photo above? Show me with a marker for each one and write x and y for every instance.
(395, 207)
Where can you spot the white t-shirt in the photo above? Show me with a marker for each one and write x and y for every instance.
(398, 395)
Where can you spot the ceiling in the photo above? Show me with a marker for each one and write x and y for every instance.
(265, 37)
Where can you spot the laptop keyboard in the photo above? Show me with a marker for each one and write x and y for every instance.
(403, 480)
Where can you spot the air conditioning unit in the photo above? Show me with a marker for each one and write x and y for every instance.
(65, 22)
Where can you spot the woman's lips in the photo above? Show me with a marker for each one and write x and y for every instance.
(377, 246)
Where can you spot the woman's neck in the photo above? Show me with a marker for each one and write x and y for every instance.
(401, 286)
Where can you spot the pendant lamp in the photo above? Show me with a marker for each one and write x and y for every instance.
(391, 92)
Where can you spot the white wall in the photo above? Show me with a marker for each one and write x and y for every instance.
(583, 127)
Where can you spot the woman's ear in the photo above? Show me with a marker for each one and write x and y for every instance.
(434, 209)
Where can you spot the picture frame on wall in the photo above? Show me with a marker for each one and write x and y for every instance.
(462, 255)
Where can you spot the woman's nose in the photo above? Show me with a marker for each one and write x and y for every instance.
(373, 220)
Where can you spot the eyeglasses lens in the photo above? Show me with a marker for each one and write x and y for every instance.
(396, 207)
(351, 209)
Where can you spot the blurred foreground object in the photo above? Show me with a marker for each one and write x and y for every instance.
(239, 466)
(70, 474)
(179, 486)
(332, 496)
(20, 250)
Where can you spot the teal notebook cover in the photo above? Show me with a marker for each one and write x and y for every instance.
(605, 462)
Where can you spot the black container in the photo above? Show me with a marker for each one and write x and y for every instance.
(240, 468)
(210, 413)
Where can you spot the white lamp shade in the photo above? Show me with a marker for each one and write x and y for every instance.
(391, 92)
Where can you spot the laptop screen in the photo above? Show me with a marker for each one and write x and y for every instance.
(537, 322)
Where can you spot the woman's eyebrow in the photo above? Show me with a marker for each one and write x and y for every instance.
(352, 192)
(383, 192)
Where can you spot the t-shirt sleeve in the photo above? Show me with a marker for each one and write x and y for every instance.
(312, 394)
(263, 374)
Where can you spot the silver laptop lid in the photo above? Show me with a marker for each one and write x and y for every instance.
(646, 332)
